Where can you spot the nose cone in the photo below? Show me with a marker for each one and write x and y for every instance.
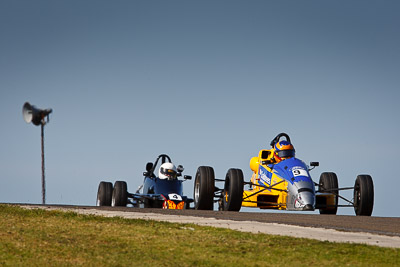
(305, 201)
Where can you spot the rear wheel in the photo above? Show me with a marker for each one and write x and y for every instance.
(104, 194)
(363, 195)
(204, 188)
(327, 182)
(233, 190)
(119, 194)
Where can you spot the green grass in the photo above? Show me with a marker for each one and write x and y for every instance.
(39, 237)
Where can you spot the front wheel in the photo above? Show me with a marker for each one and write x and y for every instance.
(104, 194)
(119, 194)
(233, 190)
(328, 183)
(204, 188)
(363, 195)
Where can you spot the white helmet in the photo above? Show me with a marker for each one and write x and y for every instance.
(167, 171)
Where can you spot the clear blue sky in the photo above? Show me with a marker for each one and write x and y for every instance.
(207, 82)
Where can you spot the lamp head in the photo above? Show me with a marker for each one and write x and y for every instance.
(34, 114)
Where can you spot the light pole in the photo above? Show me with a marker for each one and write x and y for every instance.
(38, 117)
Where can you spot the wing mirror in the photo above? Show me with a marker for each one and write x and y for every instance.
(149, 166)
(264, 157)
(180, 168)
(313, 164)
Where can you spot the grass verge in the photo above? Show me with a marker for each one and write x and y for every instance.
(39, 237)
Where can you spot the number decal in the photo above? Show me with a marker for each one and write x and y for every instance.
(299, 172)
(175, 197)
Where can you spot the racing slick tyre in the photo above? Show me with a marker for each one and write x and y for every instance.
(327, 182)
(363, 195)
(104, 194)
(119, 194)
(153, 204)
(204, 188)
(233, 190)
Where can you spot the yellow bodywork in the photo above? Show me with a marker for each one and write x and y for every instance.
(273, 197)
(269, 191)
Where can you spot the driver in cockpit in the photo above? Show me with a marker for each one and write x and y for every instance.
(167, 171)
(282, 150)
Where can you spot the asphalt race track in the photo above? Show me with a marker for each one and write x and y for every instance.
(389, 226)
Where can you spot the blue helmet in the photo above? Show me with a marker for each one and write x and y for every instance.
(283, 150)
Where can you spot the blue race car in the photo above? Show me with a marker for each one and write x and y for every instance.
(162, 191)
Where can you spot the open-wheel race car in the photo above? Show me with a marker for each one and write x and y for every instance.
(280, 181)
(162, 191)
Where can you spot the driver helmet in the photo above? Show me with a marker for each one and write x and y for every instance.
(167, 171)
(283, 150)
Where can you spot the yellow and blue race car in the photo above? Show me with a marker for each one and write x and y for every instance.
(280, 181)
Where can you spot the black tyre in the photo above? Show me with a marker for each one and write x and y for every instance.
(104, 194)
(327, 182)
(204, 188)
(233, 190)
(148, 203)
(363, 195)
(119, 194)
(154, 204)
(187, 206)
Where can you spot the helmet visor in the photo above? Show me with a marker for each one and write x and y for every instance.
(285, 153)
(171, 174)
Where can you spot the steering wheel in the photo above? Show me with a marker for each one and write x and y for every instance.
(278, 137)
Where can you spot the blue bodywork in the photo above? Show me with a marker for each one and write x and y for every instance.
(300, 189)
(293, 170)
(162, 186)
(155, 190)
